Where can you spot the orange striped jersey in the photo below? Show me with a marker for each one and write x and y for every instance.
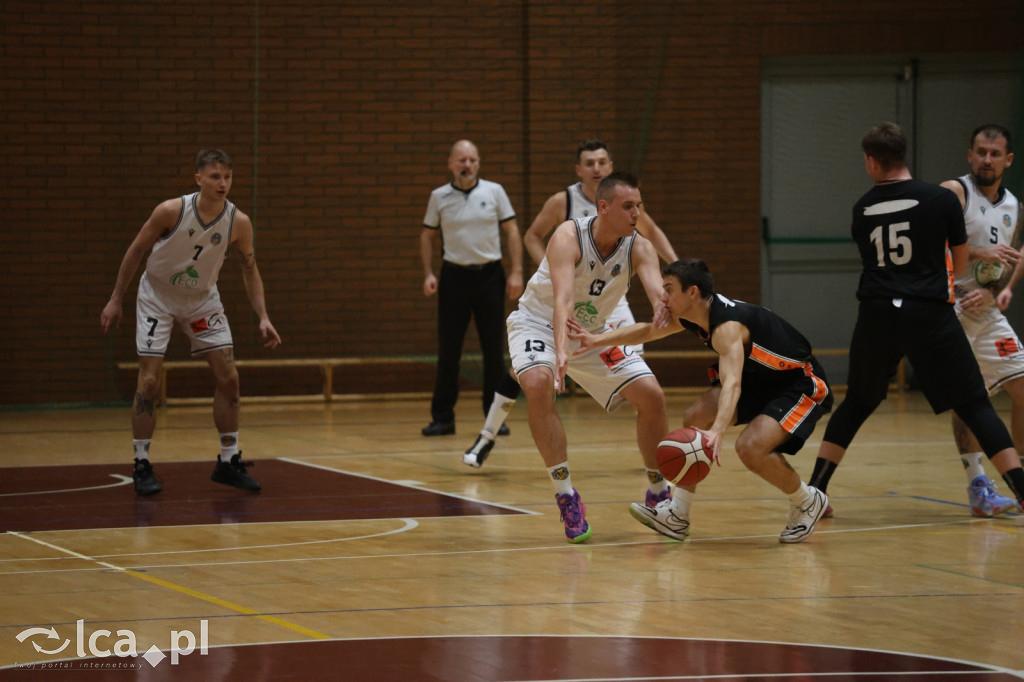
(777, 352)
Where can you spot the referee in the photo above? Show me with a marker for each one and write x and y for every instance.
(469, 214)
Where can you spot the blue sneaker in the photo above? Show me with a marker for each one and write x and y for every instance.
(985, 501)
(573, 514)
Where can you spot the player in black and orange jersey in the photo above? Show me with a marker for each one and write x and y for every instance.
(912, 241)
(766, 378)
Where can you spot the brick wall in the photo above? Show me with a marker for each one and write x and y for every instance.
(339, 116)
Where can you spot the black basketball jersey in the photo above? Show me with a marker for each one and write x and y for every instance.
(903, 231)
(775, 345)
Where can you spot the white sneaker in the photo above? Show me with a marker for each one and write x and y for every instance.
(661, 518)
(802, 519)
(477, 453)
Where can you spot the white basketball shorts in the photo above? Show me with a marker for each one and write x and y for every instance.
(996, 346)
(602, 373)
(200, 315)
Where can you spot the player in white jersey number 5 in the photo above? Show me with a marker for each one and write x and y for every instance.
(983, 291)
(189, 237)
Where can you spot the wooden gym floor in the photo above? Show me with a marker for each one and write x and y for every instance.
(373, 553)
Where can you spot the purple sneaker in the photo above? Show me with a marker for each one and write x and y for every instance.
(653, 500)
(573, 514)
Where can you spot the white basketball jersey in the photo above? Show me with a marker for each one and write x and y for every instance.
(577, 205)
(189, 258)
(988, 224)
(598, 286)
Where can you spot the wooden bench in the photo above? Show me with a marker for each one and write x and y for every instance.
(328, 365)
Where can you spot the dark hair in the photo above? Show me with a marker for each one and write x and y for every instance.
(607, 186)
(692, 272)
(591, 145)
(992, 131)
(210, 157)
(886, 144)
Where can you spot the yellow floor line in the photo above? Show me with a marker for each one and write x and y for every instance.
(179, 588)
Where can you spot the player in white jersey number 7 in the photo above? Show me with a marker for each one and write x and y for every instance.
(189, 237)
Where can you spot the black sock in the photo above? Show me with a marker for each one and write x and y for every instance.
(823, 470)
(1015, 481)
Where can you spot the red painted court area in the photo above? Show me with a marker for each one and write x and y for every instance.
(101, 496)
(537, 658)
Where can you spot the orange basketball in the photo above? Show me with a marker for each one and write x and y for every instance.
(683, 458)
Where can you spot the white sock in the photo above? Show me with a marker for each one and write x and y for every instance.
(560, 478)
(228, 446)
(681, 501)
(655, 481)
(142, 447)
(500, 407)
(972, 465)
(800, 497)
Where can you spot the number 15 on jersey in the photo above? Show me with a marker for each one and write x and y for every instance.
(892, 246)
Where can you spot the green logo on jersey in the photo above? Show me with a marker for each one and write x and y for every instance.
(585, 313)
(187, 278)
(987, 273)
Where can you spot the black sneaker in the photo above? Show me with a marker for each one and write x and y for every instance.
(233, 473)
(145, 480)
(503, 431)
(438, 429)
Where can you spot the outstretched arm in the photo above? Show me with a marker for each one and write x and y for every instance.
(645, 263)
(632, 335)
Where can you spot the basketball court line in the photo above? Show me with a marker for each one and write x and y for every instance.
(125, 480)
(405, 484)
(244, 610)
(655, 540)
(945, 674)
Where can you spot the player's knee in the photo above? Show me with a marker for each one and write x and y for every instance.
(990, 431)
(536, 381)
(650, 398)
(848, 418)
(699, 416)
(749, 452)
(227, 381)
(148, 385)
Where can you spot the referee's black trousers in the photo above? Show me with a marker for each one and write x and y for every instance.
(463, 293)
